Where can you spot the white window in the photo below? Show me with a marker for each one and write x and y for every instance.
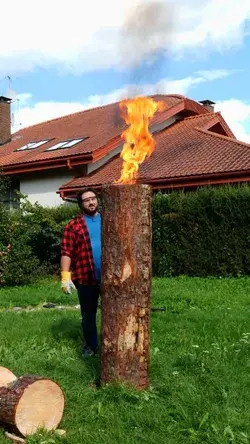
(55, 147)
(32, 145)
(65, 144)
(73, 142)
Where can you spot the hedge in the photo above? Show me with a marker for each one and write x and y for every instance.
(200, 233)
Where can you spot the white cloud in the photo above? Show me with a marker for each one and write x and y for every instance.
(214, 24)
(216, 74)
(237, 115)
(25, 113)
(71, 36)
(183, 86)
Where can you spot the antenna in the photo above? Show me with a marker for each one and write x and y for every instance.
(10, 92)
(14, 120)
(10, 81)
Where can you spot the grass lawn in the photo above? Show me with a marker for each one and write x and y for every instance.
(199, 370)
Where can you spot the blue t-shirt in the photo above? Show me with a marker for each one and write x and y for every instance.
(94, 229)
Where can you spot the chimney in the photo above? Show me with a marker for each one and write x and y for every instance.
(208, 105)
(5, 124)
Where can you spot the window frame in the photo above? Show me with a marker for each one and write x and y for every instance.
(25, 147)
(65, 142)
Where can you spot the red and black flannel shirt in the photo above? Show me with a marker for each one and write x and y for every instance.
(76, 245)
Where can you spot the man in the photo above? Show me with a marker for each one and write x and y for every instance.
(81, 263)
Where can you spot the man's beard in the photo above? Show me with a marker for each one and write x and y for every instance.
(90, 212)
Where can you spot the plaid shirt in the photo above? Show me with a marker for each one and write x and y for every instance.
(76, 245)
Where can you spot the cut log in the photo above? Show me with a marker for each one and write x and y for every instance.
(14, 438)
(31, 402)
(126, 284)
(6, 376)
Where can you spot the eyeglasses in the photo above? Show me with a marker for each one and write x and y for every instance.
(89, 199)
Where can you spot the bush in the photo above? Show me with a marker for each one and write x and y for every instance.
(18, 265)
(43, 229)
(202, 233)
(30, 240)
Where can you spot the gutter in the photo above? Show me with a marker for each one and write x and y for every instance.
(201, 179)
(47, 164)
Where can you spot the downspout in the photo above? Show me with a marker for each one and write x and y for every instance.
(69, 164)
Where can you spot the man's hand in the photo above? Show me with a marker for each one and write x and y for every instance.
(66, 282)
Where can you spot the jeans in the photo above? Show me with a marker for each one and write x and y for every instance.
(88, 298)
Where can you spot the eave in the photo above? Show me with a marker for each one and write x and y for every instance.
(199, 180)
(193, 181)
(47, 164)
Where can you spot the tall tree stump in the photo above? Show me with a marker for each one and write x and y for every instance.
(126, 284)
(31, 402)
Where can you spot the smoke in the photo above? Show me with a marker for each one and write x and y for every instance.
(144, 42)
(145, 39)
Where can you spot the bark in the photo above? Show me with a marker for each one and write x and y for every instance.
(126, 284)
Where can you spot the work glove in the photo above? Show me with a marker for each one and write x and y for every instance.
(66, 282)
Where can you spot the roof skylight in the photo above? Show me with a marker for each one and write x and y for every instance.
(32, 145)
(66, 144)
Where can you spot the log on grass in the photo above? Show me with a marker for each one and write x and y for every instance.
(31, 402)
(6, 376)
(14, 438)
(126, 284)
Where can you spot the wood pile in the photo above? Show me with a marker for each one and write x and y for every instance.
(29, 403)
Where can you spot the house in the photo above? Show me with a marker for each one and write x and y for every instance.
(51, 161)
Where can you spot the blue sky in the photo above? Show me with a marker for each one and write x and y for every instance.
(78, 56)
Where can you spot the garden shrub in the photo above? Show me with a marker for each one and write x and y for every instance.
(205, 232)
(202, 233)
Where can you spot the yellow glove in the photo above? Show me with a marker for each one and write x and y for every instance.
(66, 282)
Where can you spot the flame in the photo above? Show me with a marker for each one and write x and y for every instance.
(139, 142)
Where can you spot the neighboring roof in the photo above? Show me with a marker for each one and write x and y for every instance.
(102, 126)
(184, 150)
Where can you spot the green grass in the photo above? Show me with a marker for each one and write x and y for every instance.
(47, 290)
(199, 371)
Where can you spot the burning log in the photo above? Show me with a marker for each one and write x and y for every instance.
(126, 284)
(31, 402)
(139, 142)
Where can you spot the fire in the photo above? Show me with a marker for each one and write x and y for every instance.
(139, 142)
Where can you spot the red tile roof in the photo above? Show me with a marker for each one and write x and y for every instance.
(101, 125)
(185, 149)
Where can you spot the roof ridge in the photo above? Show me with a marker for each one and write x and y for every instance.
(179, 96)
(217, 116)
(91, 109)
(220, 136)
(211, 115)
(66, 115)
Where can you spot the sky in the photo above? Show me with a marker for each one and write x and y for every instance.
(57, 58)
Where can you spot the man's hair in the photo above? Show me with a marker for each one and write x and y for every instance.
(80, 193)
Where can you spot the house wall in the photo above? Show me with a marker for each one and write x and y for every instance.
(99, 163)
(43, 189)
